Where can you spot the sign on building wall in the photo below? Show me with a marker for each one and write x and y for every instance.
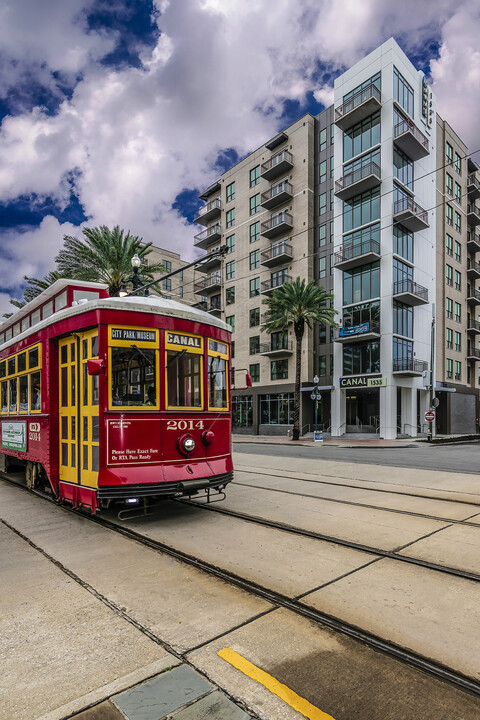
(365, 381)
(355, 330)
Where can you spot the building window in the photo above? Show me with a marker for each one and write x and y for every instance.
(230, 270)
(322, 204)
(362, 283)
(322, 171)
(254, 287)
(449, 245)
(458, 163)
(322, 235)
(403, 168)
(322, 140)
(230, 295)
(216, 302)
(361, 137)
(402, 241)
(230, 243)
(449, 275)
(254, 259)
(242, 410)
(449, 308)
(448, 154)
(277, 409)
(401, 272)
(375, 80)
(332, 230)
(332, 164)
(458, 251)
(180, 291)
(361, 209)
(332, 134)
(322, 365)
(230, 190)
(458, 312)
(402, 353)
(254, 345)
(458, 222)
(322, 267)
(449, 214)
(230, 320)
(402, 92)
(449, 338)
(254, 372)
(278, 277)
(449, 368)
(230, 217)
(167, 265)
(332, 263)
(458, 192)
(279, 370)
(254, 317)
(332, 198)
(254, 204)
(360, 358)
(167, 284)
(458, 370)
(402, 319)
(458, 280)
(449, 184)
(458, 341)
(255, 232)
(254, 176)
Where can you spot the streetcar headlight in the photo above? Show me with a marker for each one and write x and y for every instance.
(188, 444)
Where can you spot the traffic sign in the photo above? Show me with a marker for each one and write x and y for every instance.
(315, 396)
(429, 416)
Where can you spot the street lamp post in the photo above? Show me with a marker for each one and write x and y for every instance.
(315, 398)
(134, 279)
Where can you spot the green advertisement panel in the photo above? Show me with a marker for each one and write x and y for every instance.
(14, 435)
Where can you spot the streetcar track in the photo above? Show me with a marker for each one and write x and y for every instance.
(392, 649)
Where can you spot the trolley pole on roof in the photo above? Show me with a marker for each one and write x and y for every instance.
(222, 250)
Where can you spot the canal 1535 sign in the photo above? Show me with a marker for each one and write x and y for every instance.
(364, 381)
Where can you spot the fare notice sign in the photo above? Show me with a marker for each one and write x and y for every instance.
(429, 416)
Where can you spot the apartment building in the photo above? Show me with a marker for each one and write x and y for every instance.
(179, 287)
(357, 198)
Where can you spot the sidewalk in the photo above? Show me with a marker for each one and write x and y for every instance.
(354, 441)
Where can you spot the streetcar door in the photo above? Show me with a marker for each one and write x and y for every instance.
(79, 409)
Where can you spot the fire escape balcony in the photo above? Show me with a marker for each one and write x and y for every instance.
(209, 212)
(369, 330)
(410, 140)
(473, 296)
(276, 195)
(268, 286)
(473, 269)
(276, 349)
(410, 293)
(353, 255)
(473, 186)
(277, 224)
(206, 237)
(277, 165)
(473, 214)
(208, 284)
(279, 253)
(362, 104)
(358, 181)
(407, 212)
(473, 327)
(409, 366)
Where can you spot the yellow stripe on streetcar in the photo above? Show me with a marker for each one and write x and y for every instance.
(277, 688)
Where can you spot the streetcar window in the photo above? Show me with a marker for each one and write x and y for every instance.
(94, 346)
(85, 429)
(13, 395)
(64, 428)
(48, 309)
(215, 346)
(61, 301)
(183, 379)
(22, 362)
(4, 397)
(95, 429)
(26, 323)
(217, 382)
(95, 389)
(35, 394)
(84, 349)
(23, 392)
(64, 354)
(95, 456)
(33, 358)
(72, 384)
(64, 387)
(35, 316)
(3, 369)
(11, 366)
(133, 372)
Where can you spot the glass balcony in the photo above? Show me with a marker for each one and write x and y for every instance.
(278, 164)
(409, 366)
(211, 234)
(410, 140)
(277, 194)
(208, 284)
(279, 253)
(277, 224)
(358, 107)
(275, 348)
(369, 330)
(208, 212)
(473, 214)
(473, 269)
(358, 181)
(355, 254)
(410, 292)
(407, 212)
(473, 327)
(473, 186)
(268, 286)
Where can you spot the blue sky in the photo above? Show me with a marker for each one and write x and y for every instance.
(121, 112)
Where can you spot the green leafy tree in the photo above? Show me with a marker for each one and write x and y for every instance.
(104, 255)
(297, 303)
(33, 288)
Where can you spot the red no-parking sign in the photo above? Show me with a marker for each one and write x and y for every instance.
(429, 416)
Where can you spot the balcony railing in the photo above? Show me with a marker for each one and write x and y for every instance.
(473, 326)
(277, 224)
(410, 139)
(355, 254)
(207, 284)
(357, 181)
(410, 214)
(277, 164)
(363, 103)
(411, 292)
(473, 242)
(280, 193)
(208, 211)
(212, 233)
(268, 286)
(276, 348)
(473, 269)
(278, 253)
(473, 296)
(409, 365)
(473, 214)
(473, 354)
(473, 186)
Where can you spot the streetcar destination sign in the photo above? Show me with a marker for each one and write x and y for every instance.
(129, 334)
(363, 381)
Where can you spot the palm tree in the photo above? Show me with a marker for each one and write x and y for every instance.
(299, 304)
(33, 288)
(104, 255)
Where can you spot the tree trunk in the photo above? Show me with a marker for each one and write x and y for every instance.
(298, 366)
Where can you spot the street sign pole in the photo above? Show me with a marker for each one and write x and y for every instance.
(315, 392)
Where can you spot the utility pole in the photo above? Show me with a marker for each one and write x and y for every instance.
(432, 430)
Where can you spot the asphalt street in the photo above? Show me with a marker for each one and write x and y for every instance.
(462, 458)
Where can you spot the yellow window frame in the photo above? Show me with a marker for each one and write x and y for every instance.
(28, 371)
(192, 351)
(143, 344)
(223, 356)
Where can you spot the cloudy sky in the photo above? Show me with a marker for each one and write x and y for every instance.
(122, 111)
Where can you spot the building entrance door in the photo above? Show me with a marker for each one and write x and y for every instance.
(362, 410)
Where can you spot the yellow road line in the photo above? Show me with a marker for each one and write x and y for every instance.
(277, 688)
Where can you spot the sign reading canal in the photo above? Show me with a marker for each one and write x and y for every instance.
(363, 381)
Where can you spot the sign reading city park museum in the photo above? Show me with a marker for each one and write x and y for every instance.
(363, 381)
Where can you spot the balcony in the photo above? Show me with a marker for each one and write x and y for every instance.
(205, 238)
(473, 269)
(215, 310)
(473, 296)
(209, 212)
(473, 327)
(211, 262)
(353, 255)
(268, 286)
(473, 186)
(473, 242)
(208, 284)
(409, 366)
(358, 181)
(473, 354)
(277, 224)
(410, 214)
(358, 107)
(277, 349)
(279, 253)
(410, 140)
(473, 214)
(276, 195)
(410, 293)
(369, 330)
(278, 164)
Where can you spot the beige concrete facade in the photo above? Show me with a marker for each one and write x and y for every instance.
(180, 286)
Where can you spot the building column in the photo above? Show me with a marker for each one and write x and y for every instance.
(388, 412)
(424, 407)
(338, 412)
(409, 411)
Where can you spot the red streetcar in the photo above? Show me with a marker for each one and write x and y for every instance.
(115, 399)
